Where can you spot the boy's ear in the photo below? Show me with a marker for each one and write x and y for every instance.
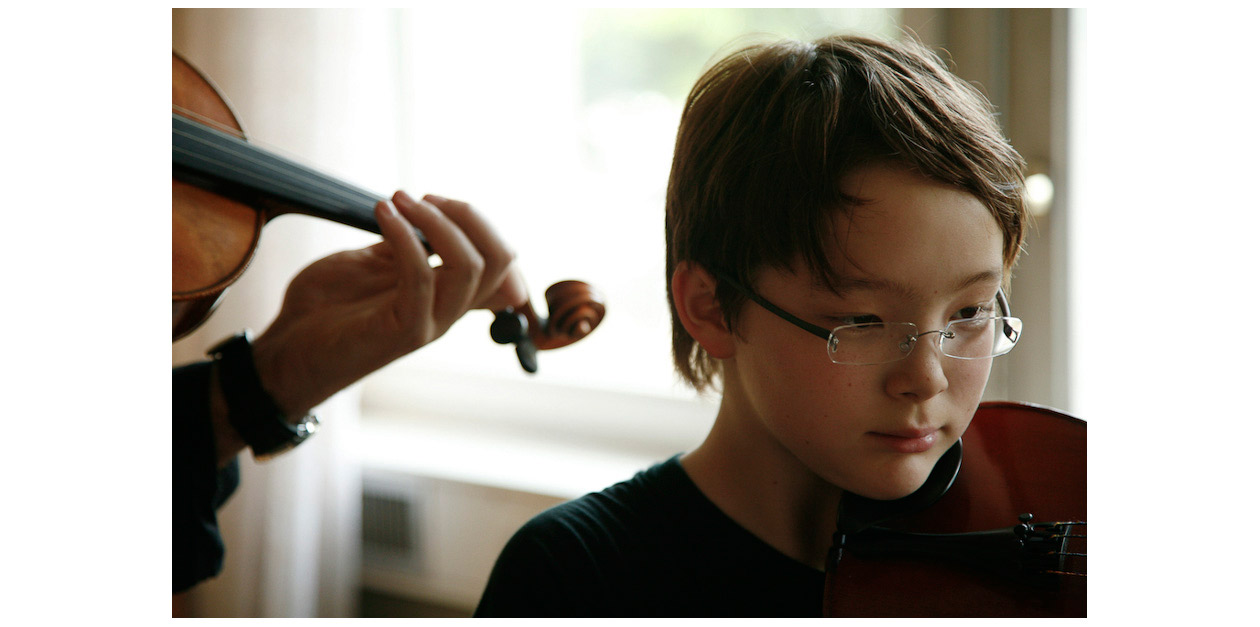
(695, 298)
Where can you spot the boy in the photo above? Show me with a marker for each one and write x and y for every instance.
(822, 195)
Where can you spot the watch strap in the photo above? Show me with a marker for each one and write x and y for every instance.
(251, 410)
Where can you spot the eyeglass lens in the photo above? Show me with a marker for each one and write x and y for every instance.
(876, 343)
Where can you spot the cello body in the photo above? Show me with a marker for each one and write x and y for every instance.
(1017, 459)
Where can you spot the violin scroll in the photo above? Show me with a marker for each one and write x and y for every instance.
(574, 310)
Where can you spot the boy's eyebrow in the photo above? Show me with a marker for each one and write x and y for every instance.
(850, 284)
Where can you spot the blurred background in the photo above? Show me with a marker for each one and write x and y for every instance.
(558, 124)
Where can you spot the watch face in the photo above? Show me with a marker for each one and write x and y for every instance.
(307, 427)
(301, 431)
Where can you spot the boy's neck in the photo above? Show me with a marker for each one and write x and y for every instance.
(764, 488)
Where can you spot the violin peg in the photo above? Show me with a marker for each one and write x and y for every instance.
(527, 354)
(508, 327)
(574, 309)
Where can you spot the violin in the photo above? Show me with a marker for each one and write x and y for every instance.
(998, 528)
(224, 189)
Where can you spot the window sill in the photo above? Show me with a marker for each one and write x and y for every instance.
(521, 435)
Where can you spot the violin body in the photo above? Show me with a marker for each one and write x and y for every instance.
(213, 237)
(1017, 459)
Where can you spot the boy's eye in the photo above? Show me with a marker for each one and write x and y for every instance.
(975, 311)
(844, 321)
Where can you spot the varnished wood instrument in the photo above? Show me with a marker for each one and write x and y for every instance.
(225, 189)
(998, 529)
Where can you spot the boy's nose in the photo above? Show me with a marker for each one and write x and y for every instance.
(920, 374)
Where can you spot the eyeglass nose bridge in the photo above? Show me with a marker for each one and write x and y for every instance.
(912, 339)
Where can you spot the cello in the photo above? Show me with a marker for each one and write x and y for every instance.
(226, 189)
(998, 528)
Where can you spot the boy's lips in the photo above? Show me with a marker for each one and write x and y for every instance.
(909, 440)
(909, 432)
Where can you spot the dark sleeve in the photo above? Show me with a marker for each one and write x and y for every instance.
(544, 571)
(198, 486)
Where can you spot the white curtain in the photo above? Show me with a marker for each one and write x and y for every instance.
(314, 85)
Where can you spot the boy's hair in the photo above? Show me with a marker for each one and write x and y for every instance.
(768, 133)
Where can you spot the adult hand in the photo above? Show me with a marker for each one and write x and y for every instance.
(350, 313)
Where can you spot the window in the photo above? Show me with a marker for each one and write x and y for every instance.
(559, 125)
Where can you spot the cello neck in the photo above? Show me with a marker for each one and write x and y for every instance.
(226, 163)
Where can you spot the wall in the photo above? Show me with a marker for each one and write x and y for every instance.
(1018, 58)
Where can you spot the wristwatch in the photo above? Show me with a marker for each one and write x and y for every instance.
(251, 410)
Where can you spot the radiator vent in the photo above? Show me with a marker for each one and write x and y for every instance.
(387, 524)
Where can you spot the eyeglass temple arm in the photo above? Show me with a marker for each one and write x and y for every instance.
(1004, 306)
(825, 334)
(774, 309)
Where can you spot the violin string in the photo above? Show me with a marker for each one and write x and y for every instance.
(207, 121)
(284, 183)
(235, 143)
(239, 149)
(1058, 536)
(1068, 526)
(296, 181)
(1060, 553)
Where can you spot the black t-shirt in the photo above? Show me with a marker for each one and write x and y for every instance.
(650, 546)
(199, 487)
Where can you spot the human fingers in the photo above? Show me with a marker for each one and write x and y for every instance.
(415, 277)
(511, 292)
(457, 279)
(496, 279)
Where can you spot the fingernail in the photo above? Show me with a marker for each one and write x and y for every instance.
(390, 209)
(434, 198)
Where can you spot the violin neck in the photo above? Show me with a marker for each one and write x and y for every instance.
(231, 166)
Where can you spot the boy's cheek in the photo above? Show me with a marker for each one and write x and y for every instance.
(971, 377)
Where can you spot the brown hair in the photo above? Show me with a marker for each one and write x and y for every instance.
(769, 131)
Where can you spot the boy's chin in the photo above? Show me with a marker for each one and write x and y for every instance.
(892, 487)
(888, 492)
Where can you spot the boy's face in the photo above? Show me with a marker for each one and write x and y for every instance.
(920, 252)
